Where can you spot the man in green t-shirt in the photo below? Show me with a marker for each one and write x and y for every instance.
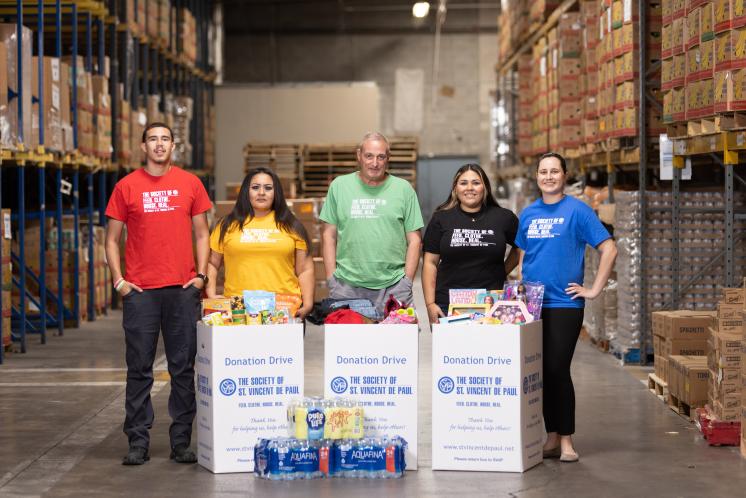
(371, 237)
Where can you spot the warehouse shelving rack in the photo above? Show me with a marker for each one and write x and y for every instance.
(168, 73)
(723, 148)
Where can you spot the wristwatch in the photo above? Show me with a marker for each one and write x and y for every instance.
(203, 277)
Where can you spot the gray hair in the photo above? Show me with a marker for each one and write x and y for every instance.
(374, 136)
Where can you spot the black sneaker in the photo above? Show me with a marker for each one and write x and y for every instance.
(137, 455)
(182, 454)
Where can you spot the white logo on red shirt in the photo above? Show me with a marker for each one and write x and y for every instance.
(159, 201)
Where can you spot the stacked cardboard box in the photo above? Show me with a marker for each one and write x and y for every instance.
(540, 102)
(10, 137)
(590, 86)
(513, 23)
(541, 10)
(7, 271)
(673, 66)
(743, 375)
(210, 123)
(101, 116)
(688, 381)
(679, 333)
(525, 99)
(307, 211)
(164, 20)
(138, 122)
(53, 87)
(699, 54)
(178, 114)
(86, 106)
(124, 135)
(188, 30)
(618, 58)
(701, 238)
(283, 159)
(729, 26)
(565, 92)
(724, 359)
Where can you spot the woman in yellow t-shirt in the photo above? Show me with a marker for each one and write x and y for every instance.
(263, 245)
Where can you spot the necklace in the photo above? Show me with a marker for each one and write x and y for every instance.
(473, 216)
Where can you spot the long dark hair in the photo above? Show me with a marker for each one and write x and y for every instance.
(284, 218)
(487, 200)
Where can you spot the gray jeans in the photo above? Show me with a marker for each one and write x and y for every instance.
(402, 290)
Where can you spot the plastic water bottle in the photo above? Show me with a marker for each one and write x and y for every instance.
(285, 463)
(361, 460)
(305, 456)
(326, 453)
(274, 472)
(347, 463)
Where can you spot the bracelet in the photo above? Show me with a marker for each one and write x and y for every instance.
(119, 285)
(121, 279)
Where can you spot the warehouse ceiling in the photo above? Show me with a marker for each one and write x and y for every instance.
(289, 17)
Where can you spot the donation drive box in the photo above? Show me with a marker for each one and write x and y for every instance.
(246, 375)
(376, 365)
(487, 397)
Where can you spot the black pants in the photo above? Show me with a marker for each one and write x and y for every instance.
(561, 332)
(174, 311)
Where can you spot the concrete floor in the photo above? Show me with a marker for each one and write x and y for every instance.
(62, 406)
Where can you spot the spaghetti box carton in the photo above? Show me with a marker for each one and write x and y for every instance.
(687, 324)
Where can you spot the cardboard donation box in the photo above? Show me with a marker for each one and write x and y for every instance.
(376, 365)
(246, 376)
(487, 397)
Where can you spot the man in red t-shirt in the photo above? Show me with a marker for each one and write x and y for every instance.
(159, 204)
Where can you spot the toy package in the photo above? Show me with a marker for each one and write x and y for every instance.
(531, 293)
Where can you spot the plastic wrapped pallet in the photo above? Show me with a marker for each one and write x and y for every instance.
(701, 238)
(9, 129)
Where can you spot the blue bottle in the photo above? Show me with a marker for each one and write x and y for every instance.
(286, 467)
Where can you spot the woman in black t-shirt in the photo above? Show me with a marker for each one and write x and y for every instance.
(465, 241)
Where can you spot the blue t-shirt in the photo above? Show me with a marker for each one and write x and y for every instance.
(553, 237)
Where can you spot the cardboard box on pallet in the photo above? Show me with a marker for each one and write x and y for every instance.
(688, 379)
(52, 102)
(9, 114)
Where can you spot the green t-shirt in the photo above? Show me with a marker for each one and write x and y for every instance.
(372, 225)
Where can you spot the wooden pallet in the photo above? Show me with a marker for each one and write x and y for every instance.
(676, 130)
(681, 408)
(735, 120)
(658, 387)
(703, 126)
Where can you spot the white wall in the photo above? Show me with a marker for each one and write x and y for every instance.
(299, 113)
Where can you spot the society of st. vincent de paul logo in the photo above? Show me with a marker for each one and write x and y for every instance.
(445, 385)
(339, 385)
(227, 387)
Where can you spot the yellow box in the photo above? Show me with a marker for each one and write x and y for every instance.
(692, 28)
(706, 21)
(617, 14)
(666, 71)
(677, 35)
(666, 40)
(722, 15)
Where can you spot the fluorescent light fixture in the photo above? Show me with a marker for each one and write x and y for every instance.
(420, 9)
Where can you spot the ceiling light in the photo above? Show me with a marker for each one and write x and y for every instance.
(420, 9)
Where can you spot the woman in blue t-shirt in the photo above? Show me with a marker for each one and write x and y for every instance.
(552, 236)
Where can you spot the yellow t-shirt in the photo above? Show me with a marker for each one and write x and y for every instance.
(259, 257)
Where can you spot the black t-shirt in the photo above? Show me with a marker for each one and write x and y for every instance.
(471, 248)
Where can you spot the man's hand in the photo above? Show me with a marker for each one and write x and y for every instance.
(196, 282)
(128, 287)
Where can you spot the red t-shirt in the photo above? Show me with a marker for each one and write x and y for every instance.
(157, 211)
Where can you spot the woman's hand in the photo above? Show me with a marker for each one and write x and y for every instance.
(302, 312)
(434, 313)
(577, 290)
(211, 294)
